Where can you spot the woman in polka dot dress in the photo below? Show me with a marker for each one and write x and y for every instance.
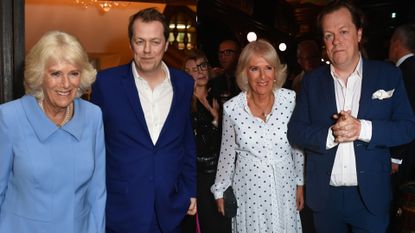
(265, 171)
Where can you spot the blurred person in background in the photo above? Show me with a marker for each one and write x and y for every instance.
(224, 85)
(401, 53)
(206, 128)
(309, 58)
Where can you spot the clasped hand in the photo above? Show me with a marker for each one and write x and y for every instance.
(347, 128)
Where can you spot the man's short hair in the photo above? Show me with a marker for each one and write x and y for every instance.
(148, 15)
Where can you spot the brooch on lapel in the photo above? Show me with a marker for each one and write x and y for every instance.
(382, 94)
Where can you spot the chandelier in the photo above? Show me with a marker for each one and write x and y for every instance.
(103, 5)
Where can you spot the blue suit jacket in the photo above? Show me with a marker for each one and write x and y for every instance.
(142, 177)
(393, 124)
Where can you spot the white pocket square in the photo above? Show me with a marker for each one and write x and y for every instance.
(382, 94)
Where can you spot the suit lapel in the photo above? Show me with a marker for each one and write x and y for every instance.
(328, 89)
(367, 89)
(130, 89)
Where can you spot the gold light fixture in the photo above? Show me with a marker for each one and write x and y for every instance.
(182, 27)
(102, 5)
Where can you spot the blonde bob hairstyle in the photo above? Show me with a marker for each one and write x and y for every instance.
(55, 47)
(265, 50)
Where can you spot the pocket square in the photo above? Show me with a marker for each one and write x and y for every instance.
(382, 94)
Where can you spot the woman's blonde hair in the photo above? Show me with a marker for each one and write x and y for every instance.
(54, 47)
(265, 50)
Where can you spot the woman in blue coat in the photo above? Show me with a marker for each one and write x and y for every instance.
(52, 157)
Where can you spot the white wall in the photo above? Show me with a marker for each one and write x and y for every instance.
(104, 35)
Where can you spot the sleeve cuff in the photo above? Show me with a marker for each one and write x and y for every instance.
(218, 195)
(396, 161)
(330, 140)
(365, 130)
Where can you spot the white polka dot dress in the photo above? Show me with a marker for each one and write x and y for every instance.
(260, 164)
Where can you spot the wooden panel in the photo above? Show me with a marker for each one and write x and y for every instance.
(6, 51)
(18, 48)
(11, 49)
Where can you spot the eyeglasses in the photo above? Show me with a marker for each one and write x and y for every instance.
(226, 52)
(200, 67)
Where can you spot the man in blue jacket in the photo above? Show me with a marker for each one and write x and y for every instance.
(151, 156)
(348, 115)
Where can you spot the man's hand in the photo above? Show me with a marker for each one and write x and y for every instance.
(193, 207)
(347, 128)
(395, 168)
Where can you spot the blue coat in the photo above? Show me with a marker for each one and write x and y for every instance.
(51, 179)
(393, 124)
(145, 179)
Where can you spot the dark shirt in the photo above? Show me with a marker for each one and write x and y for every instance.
(224, 88)
(207, 138)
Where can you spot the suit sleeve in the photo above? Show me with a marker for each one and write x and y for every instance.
(189, 169)
(97, 193)
(6, 158)
(301, 131)
(399, 152)
(400, 127)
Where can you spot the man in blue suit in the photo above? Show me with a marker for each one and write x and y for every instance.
(151, 174)
(348, 115)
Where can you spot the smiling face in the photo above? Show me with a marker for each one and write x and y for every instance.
(198, 69)
(260, 75)
(341, 38)
(148, 46)
(60, 84)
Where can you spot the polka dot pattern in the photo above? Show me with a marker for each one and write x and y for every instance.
(260, 164)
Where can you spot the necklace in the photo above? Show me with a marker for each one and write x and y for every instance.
(263, 112)
(68, 113)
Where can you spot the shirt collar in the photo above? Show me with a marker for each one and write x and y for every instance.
(139, 78)
(44, 127)
(358, 71)
(402, 59)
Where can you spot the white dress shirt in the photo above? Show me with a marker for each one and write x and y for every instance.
(155, 103)
(347, 98)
